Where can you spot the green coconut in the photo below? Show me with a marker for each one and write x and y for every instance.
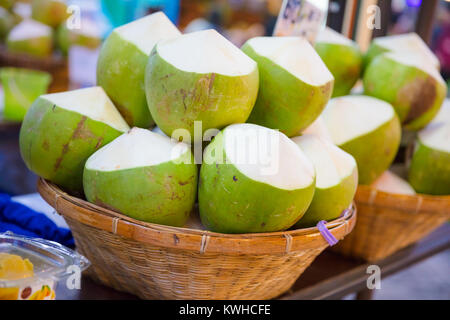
(86, 36)
(391, 183)
(403, 44)
(253, 179)
(61, 130)
(7, 4)
(50, 12)
(145, 176)
(7, 22)
(414, 88)
(31, 37)
(336, 179)
(368, 129)
(122, 60)
(342, 57)
(429, 170)
(200, 76)
(294, 83)
(21, 87)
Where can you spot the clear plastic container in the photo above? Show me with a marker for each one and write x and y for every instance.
(52, 262)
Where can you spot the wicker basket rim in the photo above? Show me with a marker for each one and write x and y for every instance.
(54, 59)
(186, 238)
(409, 203)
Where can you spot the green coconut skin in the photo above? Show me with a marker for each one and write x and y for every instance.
(415, 95)
(55, 143)
(329, 203)
(7, 4)
(230, 202)
(65, 38)
(21, 88)
(162, 194)
(50, 12)
(344, 62)
(374, 51)
(429, 171)
(177, 98)
(39, 47)
(284, 102)
(374, 152)
(7, 22)
(120, 71)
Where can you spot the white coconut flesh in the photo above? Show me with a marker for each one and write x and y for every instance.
(144, 33)
(350, 117)
(332, 164)
(407, 43)
(267, 156)
(330, 36)
(416, 61)
(295, 55)
(23, 10)
(90, 102)
(29, 29)
(88, 29)
(436, 136)
(206, 52)
(391, 183)
(318, 128)
(444, 113)
(134, 149)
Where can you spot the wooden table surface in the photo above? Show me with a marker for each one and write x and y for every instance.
(330, 276)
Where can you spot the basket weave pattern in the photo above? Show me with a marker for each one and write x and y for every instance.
(389, 222)
(161, 262)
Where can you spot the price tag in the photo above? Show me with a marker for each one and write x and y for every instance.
(301, 18)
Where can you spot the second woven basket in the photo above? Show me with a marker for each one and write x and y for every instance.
(389, 222)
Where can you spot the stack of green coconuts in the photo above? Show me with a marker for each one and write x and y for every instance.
(38, 27)
(275, 151)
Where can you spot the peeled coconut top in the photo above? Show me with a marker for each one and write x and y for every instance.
(134, 149)
(408, 43)
(329, 35)
(146, 32)
(91, 102)
(444, 113)
(22, 9)
(436, 136)
(350, 117)
(206, 52)
(417, 61)
(391, 183)
(331, 163)
(295, 55)
(29, 29)
(267, 156)
(318, 128)
(88, 29)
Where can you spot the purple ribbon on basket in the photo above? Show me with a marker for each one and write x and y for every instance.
(326, 234)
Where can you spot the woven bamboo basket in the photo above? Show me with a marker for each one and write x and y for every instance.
(389, 222)
(55, 65)
(161, 262)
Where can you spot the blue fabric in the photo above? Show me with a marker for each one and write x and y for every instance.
(20, 219)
